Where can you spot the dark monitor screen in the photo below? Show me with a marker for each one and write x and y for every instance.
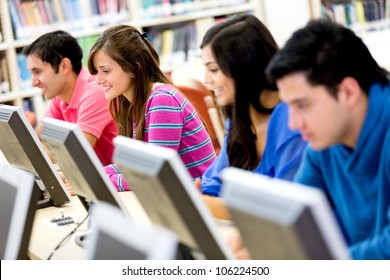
(165, 189)
(74, 154)
(18, 202)
(116, 237)
(21, 148)
(278, 219)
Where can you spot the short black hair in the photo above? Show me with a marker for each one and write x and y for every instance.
(52, 47)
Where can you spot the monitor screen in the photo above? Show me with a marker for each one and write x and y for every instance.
(278, 219)
(18, 202)
(165, 189)
(21, 148)
(116, 237)
(78, 161)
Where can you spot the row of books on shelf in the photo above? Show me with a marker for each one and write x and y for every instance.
(24, 74)
(359, 15)
(161, 8)
(31, 18)
(104, 12)
(4, 77)
(175, 46)
(179, 44)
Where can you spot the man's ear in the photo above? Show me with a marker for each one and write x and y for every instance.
(349, 91)
(65, 66)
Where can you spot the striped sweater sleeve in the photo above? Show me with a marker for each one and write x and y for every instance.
(117, 178)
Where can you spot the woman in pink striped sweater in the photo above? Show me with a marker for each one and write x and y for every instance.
(144, 103)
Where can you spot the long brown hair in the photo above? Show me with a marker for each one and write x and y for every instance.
(132, 51)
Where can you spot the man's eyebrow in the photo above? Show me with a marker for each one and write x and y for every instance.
(297, 100)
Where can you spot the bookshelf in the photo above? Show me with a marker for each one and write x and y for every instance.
(362, 16)
(369, 19)
(183, 22)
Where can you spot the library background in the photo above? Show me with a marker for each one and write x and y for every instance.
(175, 28)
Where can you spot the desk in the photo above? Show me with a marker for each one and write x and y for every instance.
(44, 238)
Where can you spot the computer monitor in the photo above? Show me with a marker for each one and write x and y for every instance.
(18, 202)
(165, 189)
(78, 161)
(278, 219)
(21, 148)
(116, 237)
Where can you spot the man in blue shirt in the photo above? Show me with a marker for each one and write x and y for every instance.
(339, 99)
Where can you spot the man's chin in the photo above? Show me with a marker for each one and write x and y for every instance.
(48, 97)
(318, 146)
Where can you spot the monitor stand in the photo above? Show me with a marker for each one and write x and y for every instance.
(44, 201)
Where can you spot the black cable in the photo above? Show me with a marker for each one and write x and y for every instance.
(66, 238)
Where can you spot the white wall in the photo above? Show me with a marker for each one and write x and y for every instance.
(378, 43)
(283, 17)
